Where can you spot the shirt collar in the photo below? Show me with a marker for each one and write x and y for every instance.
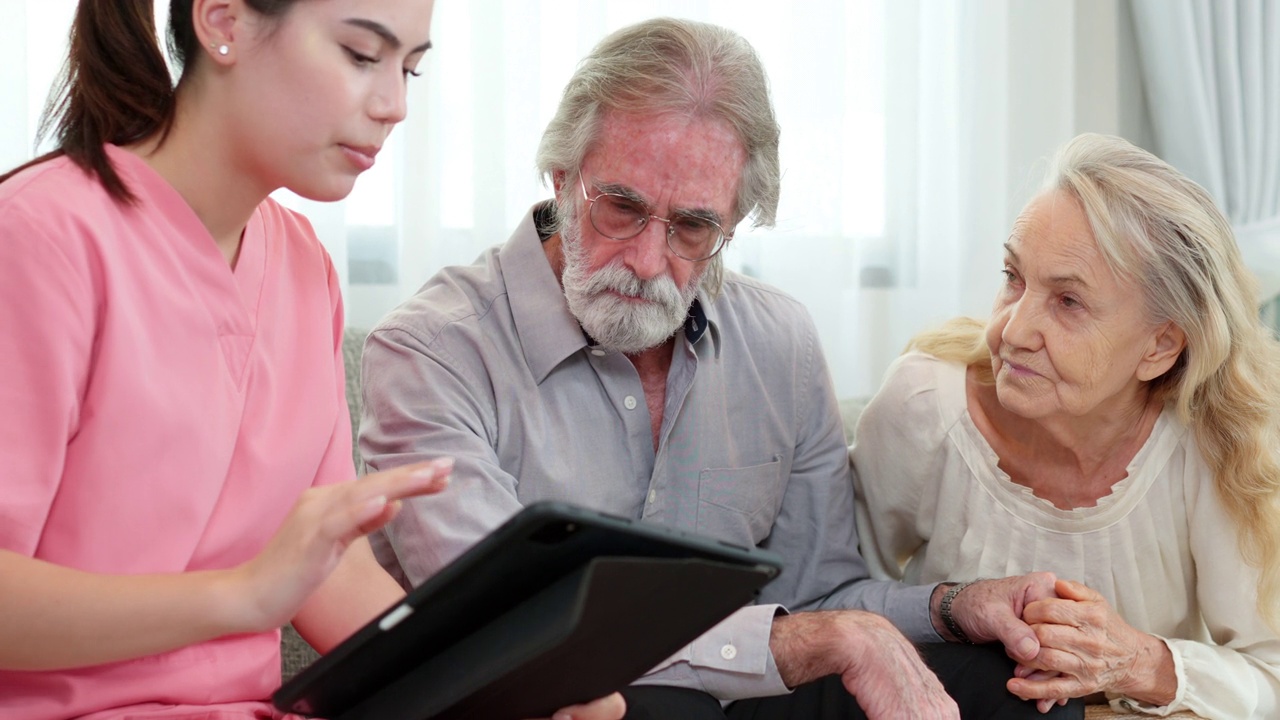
(707, 317)
(695, 325)
(548, 332)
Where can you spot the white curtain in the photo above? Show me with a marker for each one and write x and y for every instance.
(912, 132)
(887, 153)
(33, 42)
(495, 79)
(1212, 72)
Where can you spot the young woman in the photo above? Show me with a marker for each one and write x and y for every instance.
(172, 414)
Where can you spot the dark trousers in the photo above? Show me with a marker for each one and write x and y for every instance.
(973, 675)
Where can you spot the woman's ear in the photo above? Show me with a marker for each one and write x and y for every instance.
(1167, 344)
(216, 24)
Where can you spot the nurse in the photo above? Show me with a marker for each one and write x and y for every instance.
(176, 445)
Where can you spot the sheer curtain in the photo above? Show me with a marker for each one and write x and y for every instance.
(33, 42)
(911, 135)
(1213, 78)
(495, 79)
(913, 131)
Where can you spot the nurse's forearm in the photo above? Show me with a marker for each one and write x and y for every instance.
(357, 592)
(53, 617)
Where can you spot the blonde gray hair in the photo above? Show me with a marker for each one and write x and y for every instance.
(1156, 227)
(670, 66)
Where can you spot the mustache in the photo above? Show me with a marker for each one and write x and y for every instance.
(615, 278)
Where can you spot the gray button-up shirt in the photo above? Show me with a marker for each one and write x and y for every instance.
(486, 364)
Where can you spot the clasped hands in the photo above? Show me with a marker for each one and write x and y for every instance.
(1067, 640)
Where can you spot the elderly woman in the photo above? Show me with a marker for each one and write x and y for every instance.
(1115, 422)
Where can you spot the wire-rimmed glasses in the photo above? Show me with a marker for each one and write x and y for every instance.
(694, 237)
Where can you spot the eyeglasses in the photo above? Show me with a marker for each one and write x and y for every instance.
(618, 217)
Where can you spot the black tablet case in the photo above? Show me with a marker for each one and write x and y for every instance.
(559, 605)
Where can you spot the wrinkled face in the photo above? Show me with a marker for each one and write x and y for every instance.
(1067, 337)
(318, 90)
(633, 295)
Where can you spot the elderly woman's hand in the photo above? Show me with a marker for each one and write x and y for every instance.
(1091, 649)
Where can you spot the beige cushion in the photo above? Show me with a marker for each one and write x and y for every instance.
(850, 409)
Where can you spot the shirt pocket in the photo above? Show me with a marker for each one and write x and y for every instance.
(739, 505)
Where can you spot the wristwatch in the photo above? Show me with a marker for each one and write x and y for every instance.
(953, 627)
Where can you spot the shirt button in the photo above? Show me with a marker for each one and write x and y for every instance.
(597, 352)
(653, 495)
(728, 652)
(629, 402)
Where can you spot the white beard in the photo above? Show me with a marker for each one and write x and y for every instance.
(616, 324)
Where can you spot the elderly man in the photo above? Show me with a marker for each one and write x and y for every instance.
(602, 356)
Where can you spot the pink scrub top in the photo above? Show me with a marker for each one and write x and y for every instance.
(159, 413)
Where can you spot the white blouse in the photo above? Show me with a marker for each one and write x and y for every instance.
(932, 505)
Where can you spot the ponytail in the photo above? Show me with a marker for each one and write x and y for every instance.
(115, 88)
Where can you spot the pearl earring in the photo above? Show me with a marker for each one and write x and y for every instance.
(223, 49)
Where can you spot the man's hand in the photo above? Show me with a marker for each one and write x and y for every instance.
(877, 665)
(991, 610)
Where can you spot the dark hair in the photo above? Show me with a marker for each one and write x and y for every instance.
(115, 86)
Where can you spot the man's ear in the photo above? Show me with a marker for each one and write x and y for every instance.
(217, 26)
(1166, 345)
(557, 181)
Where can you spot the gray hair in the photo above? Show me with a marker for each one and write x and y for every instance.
(1154, 224)
(665, 66)
(1156, 227)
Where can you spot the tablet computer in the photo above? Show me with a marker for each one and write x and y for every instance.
(557, 606)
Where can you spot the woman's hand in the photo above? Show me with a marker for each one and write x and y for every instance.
(1092, 649)
(323, 523)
